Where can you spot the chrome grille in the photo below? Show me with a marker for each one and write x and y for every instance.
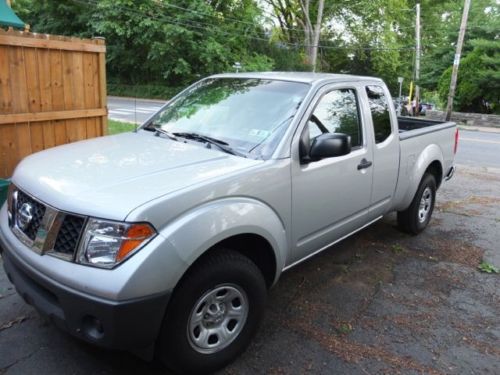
(48, 230)
(37, 214)
(69, 234)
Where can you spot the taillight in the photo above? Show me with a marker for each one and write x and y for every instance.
(456, 142)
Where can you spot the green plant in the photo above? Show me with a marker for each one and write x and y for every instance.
(344, 328)
(397, 248)
(116, 127)
(488, 268)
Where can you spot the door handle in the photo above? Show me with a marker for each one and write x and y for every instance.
(364, 164)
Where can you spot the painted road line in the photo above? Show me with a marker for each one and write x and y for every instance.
(120, 112)
(479, 140)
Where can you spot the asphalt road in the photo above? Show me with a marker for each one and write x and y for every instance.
(479, 149)
(476, 148)
(132, 110)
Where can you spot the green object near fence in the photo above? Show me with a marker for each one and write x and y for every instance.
(4, 185)
(8, 17)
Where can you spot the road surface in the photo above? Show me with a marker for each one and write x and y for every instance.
(478, 149)
(132, 110)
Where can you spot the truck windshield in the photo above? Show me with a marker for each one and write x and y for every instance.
(247, 114)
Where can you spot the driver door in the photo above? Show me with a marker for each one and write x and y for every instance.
(331, 196)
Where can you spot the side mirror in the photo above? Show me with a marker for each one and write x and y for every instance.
(329, 145)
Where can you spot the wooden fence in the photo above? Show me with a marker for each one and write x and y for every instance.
(52, 91)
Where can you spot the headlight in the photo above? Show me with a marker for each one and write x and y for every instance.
(107, 243)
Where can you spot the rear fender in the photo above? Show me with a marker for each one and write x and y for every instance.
(415, 171)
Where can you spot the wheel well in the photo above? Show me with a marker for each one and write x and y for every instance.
(436, 170)
(254, 247)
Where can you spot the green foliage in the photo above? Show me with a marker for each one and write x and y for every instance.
(478, 84)
(488, 268)
(143, 91)
(257, 63)
(397, 249)
(63, 17)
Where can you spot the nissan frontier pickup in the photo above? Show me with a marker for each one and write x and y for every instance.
(164, 241)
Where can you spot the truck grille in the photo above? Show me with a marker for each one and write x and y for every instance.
(38, 212)
(69, 234)
(47, 230)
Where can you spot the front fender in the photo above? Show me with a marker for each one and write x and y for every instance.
(415, 170)
(202, 227)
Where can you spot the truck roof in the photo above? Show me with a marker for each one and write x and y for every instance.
(305, 77)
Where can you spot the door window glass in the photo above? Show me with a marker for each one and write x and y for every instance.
(337, 112)
(380, 113)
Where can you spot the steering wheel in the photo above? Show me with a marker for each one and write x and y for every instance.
(319, 124)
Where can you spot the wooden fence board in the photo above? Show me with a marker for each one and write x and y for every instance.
(5, 93)
(52, 91)
(90, 78)
(16, 41)
(45, 80)
(8, 148)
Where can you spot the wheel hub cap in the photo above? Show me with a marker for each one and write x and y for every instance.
(217, 318)
(425, 205)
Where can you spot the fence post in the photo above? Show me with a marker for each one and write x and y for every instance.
(102, 86)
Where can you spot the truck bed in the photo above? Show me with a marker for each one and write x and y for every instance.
(410, 127)
(420, 137)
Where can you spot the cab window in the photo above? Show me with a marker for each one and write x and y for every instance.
(337, 112)
(380, 113)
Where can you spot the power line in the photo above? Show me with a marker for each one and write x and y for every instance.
(210, 27)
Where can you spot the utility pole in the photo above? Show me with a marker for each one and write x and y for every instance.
(456, 61)
(400, 81)
(417, 60)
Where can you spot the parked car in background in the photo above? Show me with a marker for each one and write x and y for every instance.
(165, 241)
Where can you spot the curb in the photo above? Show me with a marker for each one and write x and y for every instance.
(479, 129)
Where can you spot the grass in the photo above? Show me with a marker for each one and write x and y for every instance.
(116, 127)
(397, 249)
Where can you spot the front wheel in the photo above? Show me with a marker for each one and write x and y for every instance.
(213, 314)
(416, 217)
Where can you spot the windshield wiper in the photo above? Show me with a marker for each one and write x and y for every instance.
(224, 146)
(169, 135)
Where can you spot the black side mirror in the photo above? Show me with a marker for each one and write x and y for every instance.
(329, 145)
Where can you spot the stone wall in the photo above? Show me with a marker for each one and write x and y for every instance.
(471, 119)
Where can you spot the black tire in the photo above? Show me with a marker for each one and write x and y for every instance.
(224, 268)
(411, 220)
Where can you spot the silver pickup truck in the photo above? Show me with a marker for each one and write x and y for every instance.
(164, 241)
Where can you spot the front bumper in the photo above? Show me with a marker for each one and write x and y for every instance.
(131, 325)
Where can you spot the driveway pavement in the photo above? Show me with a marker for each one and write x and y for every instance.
(379, 302)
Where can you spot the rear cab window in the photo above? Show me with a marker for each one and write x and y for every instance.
(379, 108)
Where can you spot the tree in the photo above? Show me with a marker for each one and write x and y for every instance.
(312, 34)
(300, 15)
(478, 84)
(440, 30)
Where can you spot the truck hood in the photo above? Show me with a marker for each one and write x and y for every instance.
(110, 176)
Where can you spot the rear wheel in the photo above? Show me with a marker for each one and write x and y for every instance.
(416, 217)
(213, 314)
